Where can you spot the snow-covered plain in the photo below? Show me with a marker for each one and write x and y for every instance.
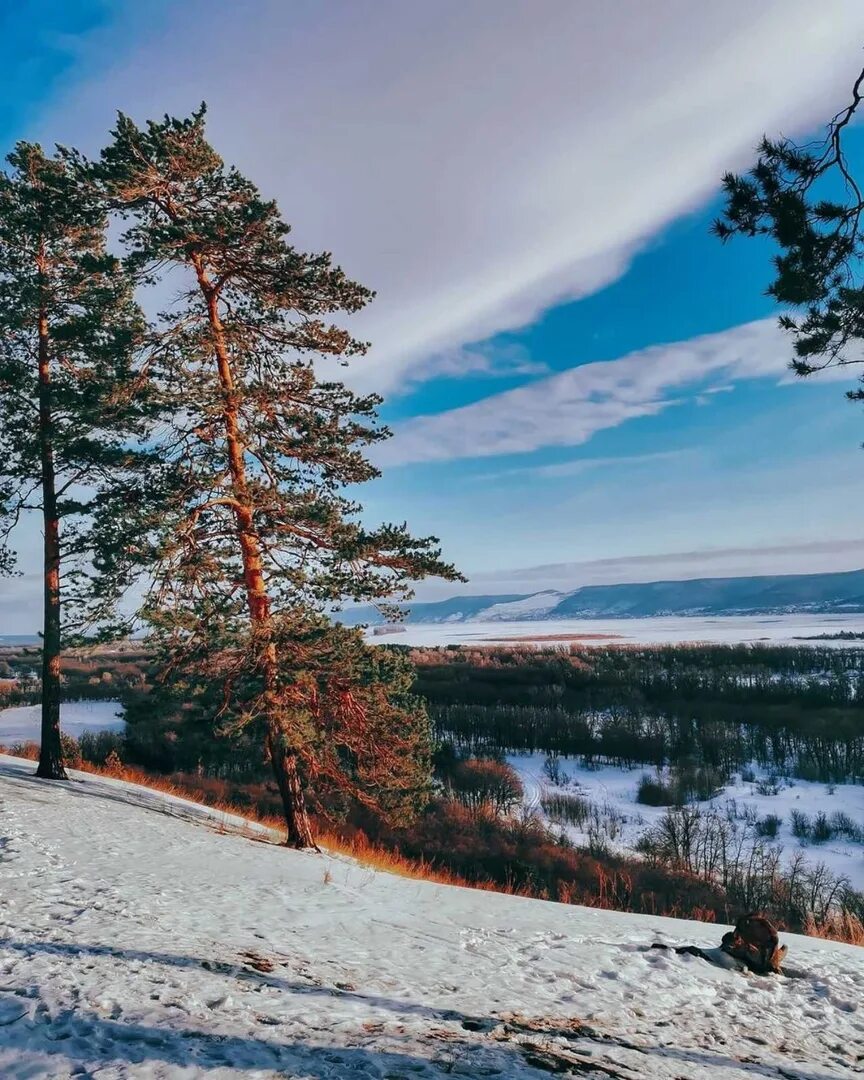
(776, 629)
(613, 788)
(21, 722)
(143, 937)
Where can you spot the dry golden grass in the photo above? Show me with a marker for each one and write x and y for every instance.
(845, 927)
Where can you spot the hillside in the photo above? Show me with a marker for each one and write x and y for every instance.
(612, 790)
(144, 937)
(781, 594)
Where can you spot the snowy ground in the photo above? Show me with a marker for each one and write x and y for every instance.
(141, 938)
(777, 629)
(612, 788)
(21, 723)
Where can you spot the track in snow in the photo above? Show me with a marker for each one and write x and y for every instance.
(139, 939)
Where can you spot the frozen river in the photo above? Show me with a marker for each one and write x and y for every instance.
(776, 629)
(21, 723)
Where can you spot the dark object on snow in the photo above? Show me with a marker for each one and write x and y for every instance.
(753, 944)
(717, 957)
(685, 950)
(755, 941)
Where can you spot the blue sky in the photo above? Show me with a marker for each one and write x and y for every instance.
(761, 462)
(558, 336)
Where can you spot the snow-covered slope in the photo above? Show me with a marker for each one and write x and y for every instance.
(612, 789)
(529, 607)
(141, 937)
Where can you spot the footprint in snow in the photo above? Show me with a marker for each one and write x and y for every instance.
(12, 1009)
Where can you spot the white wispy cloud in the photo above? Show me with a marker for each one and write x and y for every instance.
(484, 361)
(568, 408)
(475, 163)
(765, 558)
(579, 466)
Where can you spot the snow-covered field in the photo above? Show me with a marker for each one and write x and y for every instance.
(21, 723)
(142, 937)
(777, 629)
(612, 788)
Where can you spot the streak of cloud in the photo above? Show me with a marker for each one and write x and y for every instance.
(475, 163)
(567, 409)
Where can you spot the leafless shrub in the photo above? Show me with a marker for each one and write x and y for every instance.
(480, 783)
(566, 809)
(751, 873)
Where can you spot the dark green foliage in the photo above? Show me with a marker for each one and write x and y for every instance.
(71, 398)
(54, 263)
(652, 791)
(368, 736)
(70, 750)
(257, 534)
(302, 437)
(807, 201)
(768, 826)
(97, 746)
(697, 783)
(708, 711)
(821, 830)
(801, 824)
(685, 783)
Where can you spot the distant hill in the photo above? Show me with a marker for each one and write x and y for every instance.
(457, 609)
(783, 594)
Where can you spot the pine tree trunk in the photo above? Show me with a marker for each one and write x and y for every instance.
(50, 751)
(293, 803)
(282, 757)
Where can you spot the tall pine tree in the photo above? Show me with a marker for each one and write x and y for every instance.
(71, 397)
(258, 534)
